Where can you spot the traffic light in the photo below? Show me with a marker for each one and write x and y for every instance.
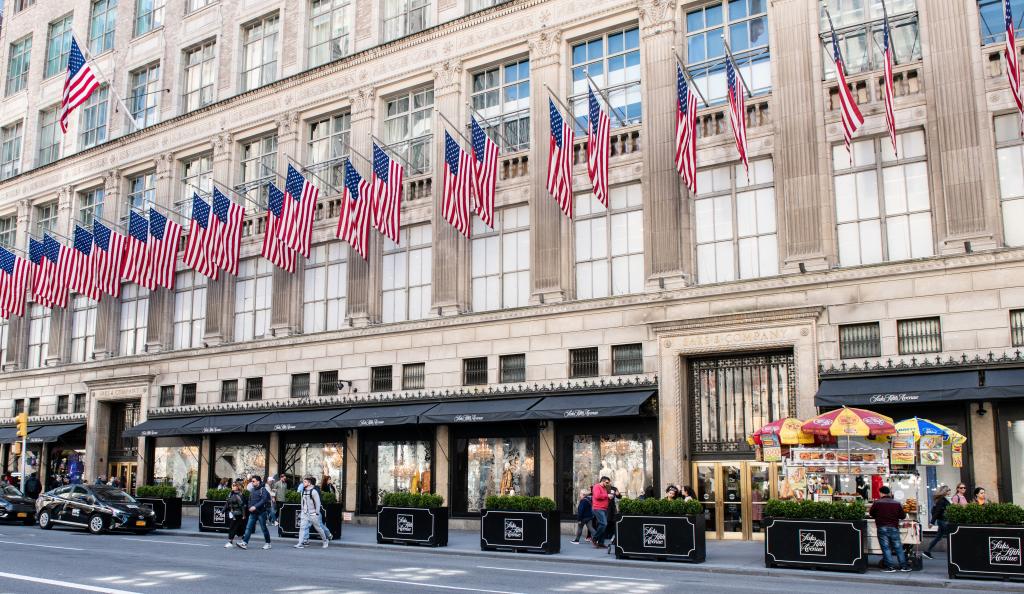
(22, 422)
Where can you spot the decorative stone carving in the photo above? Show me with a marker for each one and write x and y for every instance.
(164, 165)
(288, 124)
(656, 16)
(545, 48)
(222, 145)
(362, 100)
(447, 77)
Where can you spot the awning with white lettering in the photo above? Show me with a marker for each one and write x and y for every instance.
(52, 433)
(221, 424)
(905, 389)
(376, 416)
(584, 406)
(297, 420)
(480, 411)
(160, 427)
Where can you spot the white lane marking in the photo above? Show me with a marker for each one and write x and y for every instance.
(26, 544)
(187, 544)
(72, 585)
(607, 577)
(421, 584)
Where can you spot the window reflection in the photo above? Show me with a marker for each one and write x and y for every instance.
(176, 463)
(238, 460)
(497, 466)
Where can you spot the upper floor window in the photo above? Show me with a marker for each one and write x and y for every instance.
(20, 5)
(501, 260)
(327, 383)
(141, 192)
(406, 275)
(735, 223)
(407, 128)
(583, 362)
(189, 309)
(919, 336)
(10, 149)
(992, 19)
(860, 29)
(324, 289)
(501, 100)
(196, 176)
(149, 15)
(90, 206)
(746, 23)
(381, 378)
(1010, 159)
(8, 230)
(252, 299)
(259, 52)
(194, 5)
(94, 119)
(144, 95)
(627, 359)
(329, 30)
(475, 5)
(858, 341)
(1017, 327)
(38, 335)
(512, 368)
(33, 407)
(610, 243)
(200, 73)
(5, 328)
(46, 217)
(83, 328)
(18, 62)
(328, 148)
(102, 20)
(413, 376)
(134, 319)
(405, 17)
(58, 46)
(80, 400)
(613, 62)
(259, 160)
(49, 135)
(883, 211)
(62, 404)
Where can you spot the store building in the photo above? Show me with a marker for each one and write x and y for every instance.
(727, 309)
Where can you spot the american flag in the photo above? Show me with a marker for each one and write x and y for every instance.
(598, 146)
(40, 269)
(60, 262)
(304, 196)
(1012, 64)
(458, 182)
(79, 84)
(12, 288)
(227, 231)
(354, 224)
(387, 193)
(108, 258)
(890, 112)
(686, 131)
(851, 117)
(560, 160)
(485, 172)
(737, 110)
(83, 272)
(274, 249)
(136, 264)
(199, 251)
(165, 235)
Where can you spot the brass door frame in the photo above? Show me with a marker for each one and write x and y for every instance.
(746, 501)
(130, 475)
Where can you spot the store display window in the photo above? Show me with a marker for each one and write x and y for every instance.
(65, 466)
(176, 463)
(492, 465)
(238, 459)
(14, 461)
(627, 457)
(394, 462)
(323, 461)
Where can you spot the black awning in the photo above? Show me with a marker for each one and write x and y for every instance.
(375, 416)
(901, 389)
(614, 404)
(1004, 383)
(51, 433)
(159, 427)
(9, 435)
(221, 424)
(296, 420)
(480, 411)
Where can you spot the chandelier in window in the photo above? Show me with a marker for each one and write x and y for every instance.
(481, 452)
(403, 470)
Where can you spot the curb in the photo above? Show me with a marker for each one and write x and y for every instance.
(941, 583)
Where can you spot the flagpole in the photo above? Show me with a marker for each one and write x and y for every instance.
(568, 111)
(456, 128)
(65, 237)
(110, 83)
(689, 79)
(306, 170)
(101, 219)
(352, 151)
(233, 191)
(729, 56)
(392, 151)
(604, 96)
(166, 212)
(13, 249)
(824, 43)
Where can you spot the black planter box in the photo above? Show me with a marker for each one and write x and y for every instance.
(664, 538)
(290, 520)
(986, 552)
(211, 516)
(531, 532)
(830, 545)
(413, 525)
(168, 511)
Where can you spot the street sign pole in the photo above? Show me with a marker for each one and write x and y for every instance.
(24, 453)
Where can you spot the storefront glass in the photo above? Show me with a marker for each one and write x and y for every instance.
(65, 466)
(176, 462)
(14, 461)
(497, 466)
(233, 460)
(324, 461)
(626, 458)
(403, 466)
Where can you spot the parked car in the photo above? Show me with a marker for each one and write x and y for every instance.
(15, 507)
(97, 508)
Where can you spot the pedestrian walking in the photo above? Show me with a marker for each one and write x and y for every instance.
(32, 486)
(259, 502)
(938, 514)
(281, 492)
(599, 504)
(688, 493)
(584, 517)
(887, 513)
(329, 487)
(310, 514)
(234, 511)
(613, 508)
(272, 510)
(960, 497)
(979, 496)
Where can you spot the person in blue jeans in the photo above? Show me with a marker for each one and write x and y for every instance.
(259, 504)
(939, 519)
(887, 513)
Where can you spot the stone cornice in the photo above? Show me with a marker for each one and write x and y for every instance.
(120, 381)
(922, 364)
(766, 316)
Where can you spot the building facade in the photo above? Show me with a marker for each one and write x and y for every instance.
(709, 314)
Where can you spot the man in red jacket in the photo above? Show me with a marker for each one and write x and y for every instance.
(600, 507)
(887, 513)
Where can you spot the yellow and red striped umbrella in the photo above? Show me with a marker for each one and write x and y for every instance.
(851, 422)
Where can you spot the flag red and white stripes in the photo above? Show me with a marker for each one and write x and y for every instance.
(165, 235)
(83, 271)
(57, 265)
(458, 184)
(108, 258)
(354, 223)
(388, 176)
(136, 263)
(851, 116)
(302, 207)
(79, 84)
(14, 273)
(686, 131)
(226, 229)
(598, 146)
(199, 249)
(40, 278)
(1013, 64)
(888, 91)
(560, 160)
(274, 248)
(737, 110)
(485, 172)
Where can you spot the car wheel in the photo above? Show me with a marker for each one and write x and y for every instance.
(44, 520)
(97, 524)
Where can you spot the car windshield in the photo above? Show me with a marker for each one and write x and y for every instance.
(9, 491)
(114, 496)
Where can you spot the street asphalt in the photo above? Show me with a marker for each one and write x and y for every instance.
(60, 560)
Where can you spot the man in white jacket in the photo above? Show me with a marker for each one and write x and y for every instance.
(310, 514)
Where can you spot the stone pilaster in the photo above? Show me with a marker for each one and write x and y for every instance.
(160, 327)
(108, 311)
(58, 345)
(220, 293)
(17, 326)
(286, 288)
(363, 276)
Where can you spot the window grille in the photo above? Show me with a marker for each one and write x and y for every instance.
(513, 368)
(413, 376)
(627, 359)
(380, 379)
(254, 388)
(300, 385)
(474, 371)
(188, 394)
(858, 341)
(166, 396)
(327, 383)
(583, 362)
(917, 336)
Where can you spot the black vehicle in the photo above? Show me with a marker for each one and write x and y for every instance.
(96, 507)
(15, 507)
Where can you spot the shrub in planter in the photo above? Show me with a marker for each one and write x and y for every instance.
(662, 529)
(222, 494)
(156, 491)
(659, 507)
(985, 541)
(520, 523)
(423, 500)
(412, 518)
(325, 498)
(816, 510)
(289, 517)
(815, 534)
(990, 513)
(522, 503)
(165, 503)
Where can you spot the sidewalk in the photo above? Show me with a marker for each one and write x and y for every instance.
(728, 557)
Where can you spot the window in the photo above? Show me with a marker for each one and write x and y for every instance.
(62, 404)
(134, 316)
(19, 59)
(1017, 327)
(33, 407)
(46, 216)
(38, 335)
(141, 192)
(992, 19)
(1010, 157)
(166, 396)
(327, 383)
(259, 159)
(407, 129)
(200, 72)
(50, 136)
(323, 292)
(229, 391)
(921, 335)
(300, 385)
(405, 17)
(94, 119)
(196, 176)
(328, 148)
(414, 376)
(583, 362)
(882, 204)
(735, 223)
(10, 150)
(5, 331)
(475, 5)
(259, 53)
(610, 244)
(144, 95)
(8, 230)
(859, 28)
(252, 299)
(254, 388)
(406, 279)
(188, 394)
(149, 15)
(859, 341)
(748, 41)
(501, 260)
(102, 19)
(19, 406)
(501, 100)
(194, 5)
(20, 5)
(189, 309)
(474, 371)
(90, 206)
(512, 368)
(613, 62)
(380, 379)
(627, 359)
(79, 403)
(83, 328)
(328, 30)
(58, 46)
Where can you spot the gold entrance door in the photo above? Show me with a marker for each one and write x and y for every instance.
(733, 495)
(125, 473)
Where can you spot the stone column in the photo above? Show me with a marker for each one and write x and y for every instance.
(363, 276)
(274, 463)
(351, 471)
(220, 293)
(108, 310)
(205, 465)
(286, 287)
(160, 327)
(442, 457)
(58, 345)
(17, 326)
(545, 462)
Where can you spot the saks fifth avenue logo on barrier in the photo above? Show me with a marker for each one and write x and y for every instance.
(513, 529)
(468, 418)
(812, 543)
(887, 398)
(655, 536)
(580, 412)
(404, 524)
(219, 517)
(1004, 550)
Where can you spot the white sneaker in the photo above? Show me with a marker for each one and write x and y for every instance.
(266, 547)
(300, 546)
(242, 545)
(230, 545)
(326, 544)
